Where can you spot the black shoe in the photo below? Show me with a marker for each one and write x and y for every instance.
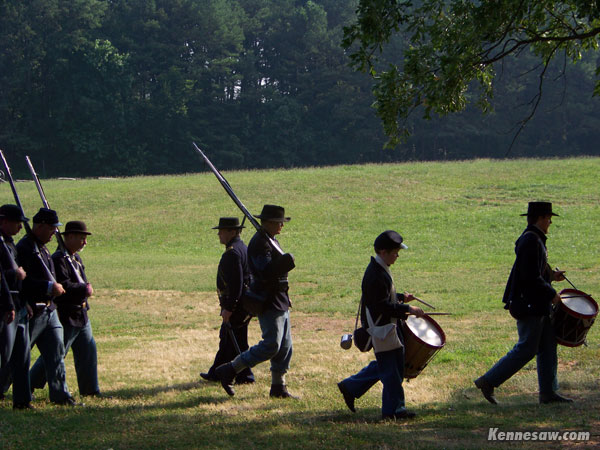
(348, 397)
(208, 377)
(225, 373)
(280, 391)
(23, 406)
(69, 401)
(244, 380)
(402, 415)
(97, 394)
(554, 398)
(486, 389)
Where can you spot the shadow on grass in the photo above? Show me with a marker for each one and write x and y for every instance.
(184, 421)
(153, 390)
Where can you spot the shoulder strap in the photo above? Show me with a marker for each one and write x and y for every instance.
(369, 319)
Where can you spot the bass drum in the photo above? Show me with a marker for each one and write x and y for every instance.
(423, 338)
(573, 316)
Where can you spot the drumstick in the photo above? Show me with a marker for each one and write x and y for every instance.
(569, 281)
(424, 302)
(433, 314)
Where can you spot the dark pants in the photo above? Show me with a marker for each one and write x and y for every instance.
(18, 365)
(46, 331)
(536, 339)
(227, 351)
(7, 340)
(389, 368)
(85, 357)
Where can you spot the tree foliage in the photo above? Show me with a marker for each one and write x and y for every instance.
(90, 87)
(454, 48)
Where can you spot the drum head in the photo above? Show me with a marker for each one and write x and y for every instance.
(579, 303)
(426, 330)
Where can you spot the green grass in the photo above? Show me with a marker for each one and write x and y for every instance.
(153, 256)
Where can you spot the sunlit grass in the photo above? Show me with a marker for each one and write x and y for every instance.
(153, 257)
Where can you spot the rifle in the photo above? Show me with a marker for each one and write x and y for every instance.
(36, 250)
(236, 200)
(59, 238)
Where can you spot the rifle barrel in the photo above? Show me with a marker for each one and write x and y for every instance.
(40, 189)
(235, 198)
(25, 224)
(59, 238)
(14, 190)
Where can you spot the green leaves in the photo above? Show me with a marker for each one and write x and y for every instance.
(454, 46)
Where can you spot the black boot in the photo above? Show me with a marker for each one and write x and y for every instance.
(553, 397)
(225, 373)
(348, 397)
(486, 389)
(280, 391)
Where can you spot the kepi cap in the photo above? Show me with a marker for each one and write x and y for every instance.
(389, 240)
(47, 216)
(12, 212)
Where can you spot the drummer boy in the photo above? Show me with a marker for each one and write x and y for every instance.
(529, 297)
(381, 306)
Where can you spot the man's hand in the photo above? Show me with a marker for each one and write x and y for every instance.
(57, 289)
(556, 299)
(89, 290)
(226, 315)
(415, 311)
(558, 275)
(408, 297)
(9, 316)
(21, 274)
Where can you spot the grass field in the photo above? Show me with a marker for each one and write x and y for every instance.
(152, 260)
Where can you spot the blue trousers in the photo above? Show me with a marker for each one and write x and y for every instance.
(389, 368)
(85, 356)
(536, 338)
(276, 343)
(17, 367)
(7, 340)
(46, 332)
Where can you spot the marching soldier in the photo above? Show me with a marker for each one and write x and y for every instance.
(529, 297)
(380, 307)
(270, 283)
(16, 333)
(233, 278)
(39, 289)
(73, 309)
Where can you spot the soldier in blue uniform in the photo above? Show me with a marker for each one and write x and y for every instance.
(269, 268)
(384, 306)
(39, 290)
(73, 307)
(233, 278)
(15, 335)
(529, 297)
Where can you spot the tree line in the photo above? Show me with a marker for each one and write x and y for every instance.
(122, 87)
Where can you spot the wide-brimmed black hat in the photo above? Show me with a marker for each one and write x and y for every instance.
(47, 216)
(76, 226)
(12, 212)
(273, 213)
(539, 209)
(232, 223)
(389, 240)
